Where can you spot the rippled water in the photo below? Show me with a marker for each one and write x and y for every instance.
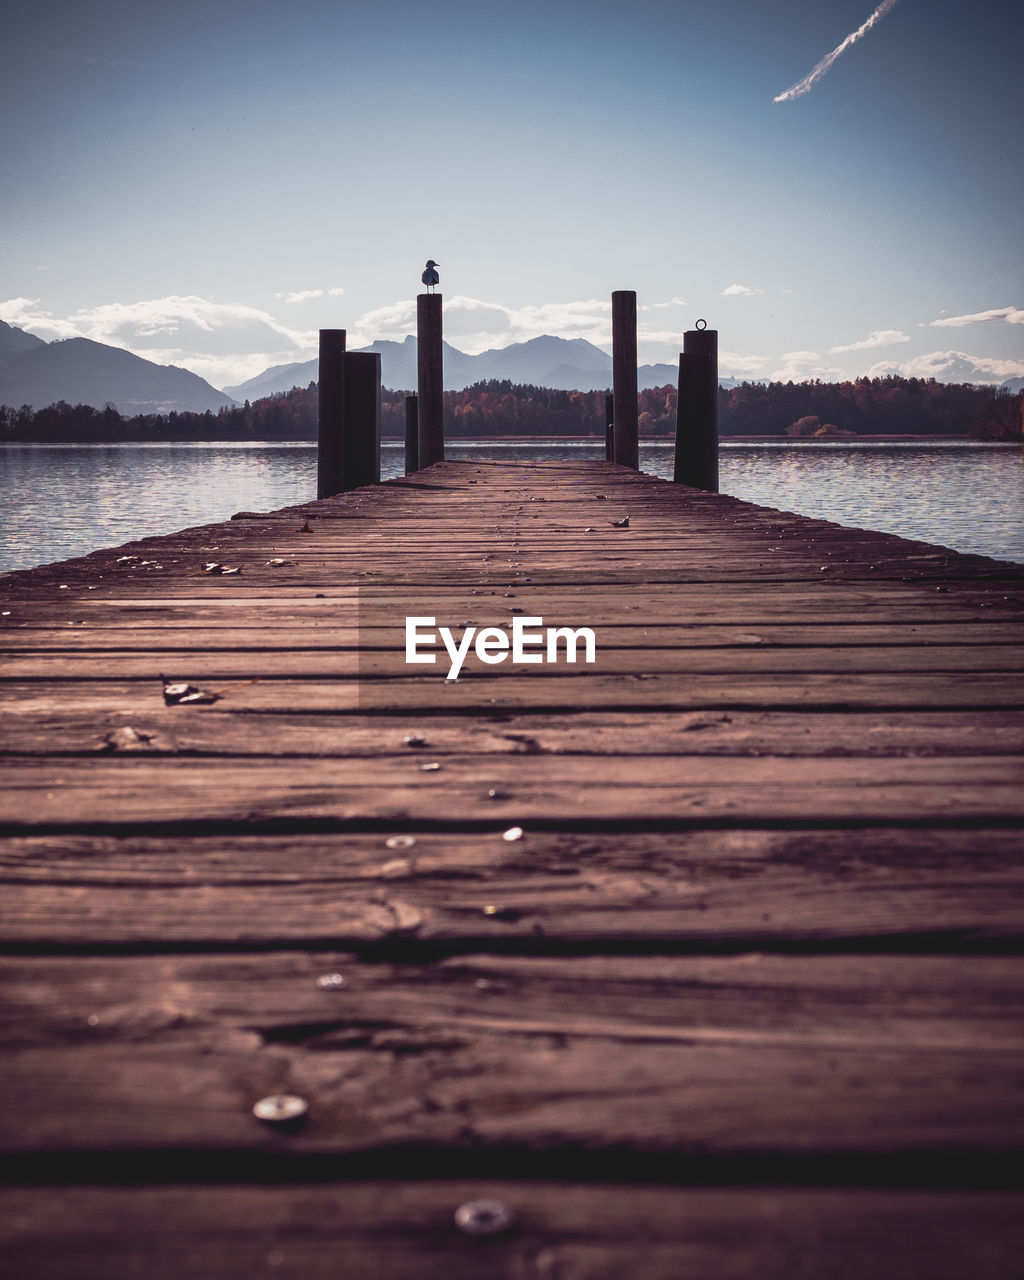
(969, 497)
(66, 500)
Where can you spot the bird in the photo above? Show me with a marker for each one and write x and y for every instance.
(430, 276)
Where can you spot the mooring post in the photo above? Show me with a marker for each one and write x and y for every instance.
(330, 456)
(697, 410)
(430, 377)
(412, 434)
(362, 419)
(609, 419)
(624, 391)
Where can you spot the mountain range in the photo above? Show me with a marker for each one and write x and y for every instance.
(567, 364)
(81, 371)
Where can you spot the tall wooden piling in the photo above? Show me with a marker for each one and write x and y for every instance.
(430, 376)
(624, 383)
(330, 473)
(696, 461)
(412, 434)
(362, 419)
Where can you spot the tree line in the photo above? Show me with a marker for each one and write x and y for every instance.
(866, 406)
(871, 406)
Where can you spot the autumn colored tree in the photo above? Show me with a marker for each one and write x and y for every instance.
(867, 406)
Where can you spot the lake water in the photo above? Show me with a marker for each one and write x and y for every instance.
(60, 501)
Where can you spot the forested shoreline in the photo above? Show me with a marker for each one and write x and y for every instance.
(807, 410)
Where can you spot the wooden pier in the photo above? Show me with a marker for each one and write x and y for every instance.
(700, 961)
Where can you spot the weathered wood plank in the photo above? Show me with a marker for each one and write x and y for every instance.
(137, 790)
(930, 890)
(51, 727)
(490, 694)
(825, 758)
(671, 600)
(184, 629)
(401, 1230)
(527, 771)
(563, 570)
(411, 572)
(325, 603)
(751, 659)
(909, 1060)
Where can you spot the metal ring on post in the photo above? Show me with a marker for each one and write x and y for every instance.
(702, 324)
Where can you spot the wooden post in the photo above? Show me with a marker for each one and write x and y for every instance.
(362, 419)
(609, 419)
(412, 434)
(430, 373)
(624, 390)
(697, 410)
(330, 457)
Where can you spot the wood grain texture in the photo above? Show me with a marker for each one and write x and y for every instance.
(139, 791)
(708, 1060)
(41, 727)
(183, 630)
(746, 660)
(744, 998)
(399, 1230)
(495, 694)
(930, 889)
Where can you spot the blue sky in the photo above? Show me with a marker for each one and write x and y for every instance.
(209, 184)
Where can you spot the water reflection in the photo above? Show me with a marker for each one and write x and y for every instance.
(66, 500)
(967, 497)
(62, 501)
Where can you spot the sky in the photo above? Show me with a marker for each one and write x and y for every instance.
(209, 184)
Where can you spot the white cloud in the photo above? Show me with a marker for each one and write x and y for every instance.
(306, 295)
(589, 319)
(227, 342)
(474, 326)
(877, 338)
(300, 295)
(951, 366)
(476, 322)
(1012, 315)
(659, 306)
(732, 365)
(25, 313)
(190, 324)
(740, 291)
(229, 371)
(805, 366)
(392, 322)
(654, 346)
(223, 342)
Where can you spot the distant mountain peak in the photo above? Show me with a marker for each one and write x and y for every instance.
(14, 341)
(81, 371)
(564, 364)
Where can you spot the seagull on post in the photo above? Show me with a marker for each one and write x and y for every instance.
(430, 276)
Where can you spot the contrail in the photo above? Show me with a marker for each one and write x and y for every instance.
(825, 65)
(101, 62)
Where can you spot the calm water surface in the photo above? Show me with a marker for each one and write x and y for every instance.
(66, 500)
